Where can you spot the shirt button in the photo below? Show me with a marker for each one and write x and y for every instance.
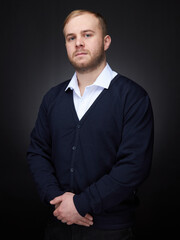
(74, 148)
(71, 170)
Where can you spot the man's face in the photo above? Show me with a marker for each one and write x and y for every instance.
(84, 42)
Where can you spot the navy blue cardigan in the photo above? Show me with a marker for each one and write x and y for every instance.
(102, 158)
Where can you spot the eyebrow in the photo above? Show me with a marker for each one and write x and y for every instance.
(84, 31)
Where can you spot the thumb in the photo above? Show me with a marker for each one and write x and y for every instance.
(56, 200)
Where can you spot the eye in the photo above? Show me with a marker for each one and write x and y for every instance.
(88, 35)
(70, 38)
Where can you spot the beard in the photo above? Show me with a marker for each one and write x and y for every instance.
(93, 63)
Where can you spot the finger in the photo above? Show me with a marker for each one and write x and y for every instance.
(63, 220)
(82, 223)
(59, 218)
(56, 200)
(89, 217)
(57, 205)
(69, 223)
(57, 213)
(86, 221)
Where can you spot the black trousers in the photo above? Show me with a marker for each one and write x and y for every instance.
(60, 231)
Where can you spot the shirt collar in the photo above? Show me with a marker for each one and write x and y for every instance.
(103, 80)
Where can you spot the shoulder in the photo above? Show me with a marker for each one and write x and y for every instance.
(127, 87)
(55, 91)
(127, 90)
(129, 93)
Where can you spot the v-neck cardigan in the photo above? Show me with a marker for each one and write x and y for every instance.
(102, 158)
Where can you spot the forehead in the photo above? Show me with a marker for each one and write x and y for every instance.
(82, 22)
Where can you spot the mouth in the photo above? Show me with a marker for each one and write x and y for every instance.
(80, 54)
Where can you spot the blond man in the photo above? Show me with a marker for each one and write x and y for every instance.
(92, 143)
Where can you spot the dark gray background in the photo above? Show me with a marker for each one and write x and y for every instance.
(145, 48)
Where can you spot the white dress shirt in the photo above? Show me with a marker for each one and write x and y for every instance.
(91, 92)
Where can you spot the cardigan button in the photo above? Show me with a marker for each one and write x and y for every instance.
(74, 148)
(71, 170)
(78, 126)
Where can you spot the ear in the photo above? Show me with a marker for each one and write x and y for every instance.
(107, 42)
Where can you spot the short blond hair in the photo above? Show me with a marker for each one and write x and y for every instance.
(79, 12)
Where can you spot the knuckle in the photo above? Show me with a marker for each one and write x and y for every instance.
(59, 212)
(55, 214)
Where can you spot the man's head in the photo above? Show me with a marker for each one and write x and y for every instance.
(86, 39)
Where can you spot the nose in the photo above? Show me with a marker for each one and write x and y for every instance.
(79, 42)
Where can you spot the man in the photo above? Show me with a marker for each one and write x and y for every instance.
(91, 146)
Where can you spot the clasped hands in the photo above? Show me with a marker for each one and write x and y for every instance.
(66, 212)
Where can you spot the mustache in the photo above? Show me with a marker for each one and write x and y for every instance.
(80, 52)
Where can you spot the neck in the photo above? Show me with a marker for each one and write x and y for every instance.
(88, 77)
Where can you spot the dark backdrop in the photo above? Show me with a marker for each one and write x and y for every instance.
(145, 48)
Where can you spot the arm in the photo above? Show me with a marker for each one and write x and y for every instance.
(39, 158)
(132, 166)
(41, 166)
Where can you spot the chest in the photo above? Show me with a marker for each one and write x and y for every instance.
(84, 102)
(102, 118)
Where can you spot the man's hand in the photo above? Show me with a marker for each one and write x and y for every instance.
(65, 211)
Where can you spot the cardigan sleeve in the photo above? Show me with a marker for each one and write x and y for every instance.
(39, 158)
(133, 163)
